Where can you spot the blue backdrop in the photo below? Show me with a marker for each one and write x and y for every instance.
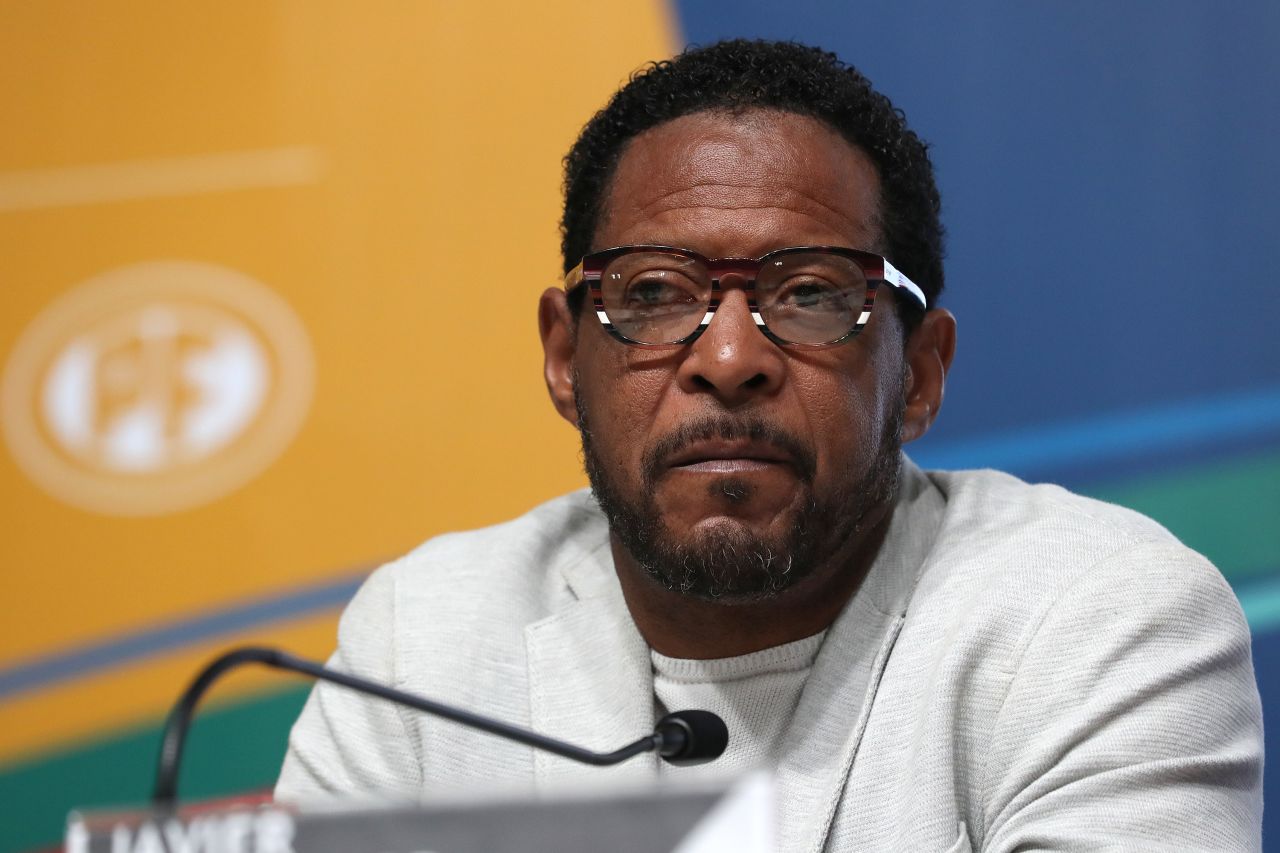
(1109, 183)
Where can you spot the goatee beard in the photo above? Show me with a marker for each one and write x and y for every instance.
(731, 562)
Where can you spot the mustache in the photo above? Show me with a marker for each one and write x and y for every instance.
(725, 428)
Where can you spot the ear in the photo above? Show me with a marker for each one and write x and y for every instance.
(555, 324)
(928, 355)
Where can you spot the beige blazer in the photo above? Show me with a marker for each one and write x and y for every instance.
(1023, 669)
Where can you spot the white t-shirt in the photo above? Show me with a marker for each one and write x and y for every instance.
(755, 694)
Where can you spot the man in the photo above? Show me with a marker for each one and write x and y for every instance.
(929, 661)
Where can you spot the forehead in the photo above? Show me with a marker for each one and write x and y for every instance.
(742, 184)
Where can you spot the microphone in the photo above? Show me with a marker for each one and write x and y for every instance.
(681, 738)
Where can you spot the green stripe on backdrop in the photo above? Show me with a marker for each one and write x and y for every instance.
(1230, 512)
(232, 748)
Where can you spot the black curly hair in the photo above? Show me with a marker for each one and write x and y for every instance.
(741, 75)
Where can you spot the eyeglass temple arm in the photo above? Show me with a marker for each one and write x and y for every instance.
(573, 277)
(894, 277)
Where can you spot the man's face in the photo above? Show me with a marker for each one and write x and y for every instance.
(732, 467)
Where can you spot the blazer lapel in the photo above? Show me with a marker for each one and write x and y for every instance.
(820, 749)
(827, 729)
(590, 678)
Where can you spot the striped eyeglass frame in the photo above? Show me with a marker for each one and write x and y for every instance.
(876, 268)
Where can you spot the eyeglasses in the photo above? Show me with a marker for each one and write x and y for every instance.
(806, 296)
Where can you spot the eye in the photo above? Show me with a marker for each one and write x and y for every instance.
(810, 293)
(653, 291)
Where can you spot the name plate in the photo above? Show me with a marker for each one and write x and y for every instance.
(739, 820)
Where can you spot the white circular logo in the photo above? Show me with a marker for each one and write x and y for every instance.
(156, 387)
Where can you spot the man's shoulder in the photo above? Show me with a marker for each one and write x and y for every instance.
(522, 567)
(993, 504)
(1023, 546)
(1055, 641)
(1036, 583)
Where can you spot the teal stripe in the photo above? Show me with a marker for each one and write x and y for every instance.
(1188, 425)
(1261, 603)
(1228, 511)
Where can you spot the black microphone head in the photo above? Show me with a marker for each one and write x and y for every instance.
(691, 737)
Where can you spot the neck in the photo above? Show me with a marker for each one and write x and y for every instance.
(679, 625)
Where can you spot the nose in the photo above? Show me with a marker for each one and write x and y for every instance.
(732, 359)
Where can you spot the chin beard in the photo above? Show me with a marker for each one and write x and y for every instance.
(731, 562)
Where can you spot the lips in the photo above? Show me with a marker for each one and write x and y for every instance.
(728, 455)
(720, 444)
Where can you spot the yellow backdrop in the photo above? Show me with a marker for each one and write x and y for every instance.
(268, 316)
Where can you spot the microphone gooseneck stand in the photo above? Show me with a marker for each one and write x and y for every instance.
(681, 737)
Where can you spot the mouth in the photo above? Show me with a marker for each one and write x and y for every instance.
(728, 447)
(729, 456)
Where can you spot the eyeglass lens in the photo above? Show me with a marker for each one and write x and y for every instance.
(803, 297)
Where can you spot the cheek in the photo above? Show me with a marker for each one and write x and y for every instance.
(846, 410)
(838, 411)
(622, 393)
